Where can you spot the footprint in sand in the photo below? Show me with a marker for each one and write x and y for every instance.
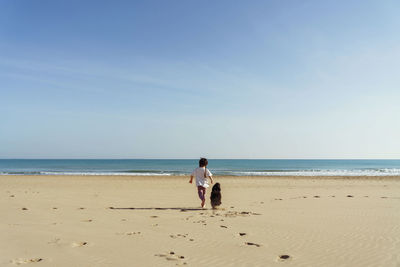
(24, 209)
(81, 208)
(242, 234)
(89, 220)
(316, 196)
(171, 256)
(178, 236)
(350, 196)
(252, 244)
(23, 261)
(283, 257)
(12, 196)
(242, 213)
(129, 233)
(223, 226)
(55, 208)
(79, 244)
(133, 233)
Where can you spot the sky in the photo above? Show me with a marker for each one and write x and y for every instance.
(184, 79)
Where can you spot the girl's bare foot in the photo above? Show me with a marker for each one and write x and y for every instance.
(203, 203)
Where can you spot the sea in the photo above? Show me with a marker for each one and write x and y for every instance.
(221, 167)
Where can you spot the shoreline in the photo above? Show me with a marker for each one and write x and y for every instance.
(262, 177)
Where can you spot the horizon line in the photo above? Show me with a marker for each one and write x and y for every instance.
(199, 158)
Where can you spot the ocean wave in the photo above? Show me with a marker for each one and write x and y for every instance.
(364, 172)
(89, 173)
(275, 172)
(21, 173)
(108, 173)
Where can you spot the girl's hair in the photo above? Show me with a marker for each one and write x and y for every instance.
(203, 163)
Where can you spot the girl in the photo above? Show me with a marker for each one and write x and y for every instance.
(201, 173)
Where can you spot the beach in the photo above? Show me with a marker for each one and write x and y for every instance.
(157, 221)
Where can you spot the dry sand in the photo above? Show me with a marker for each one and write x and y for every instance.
(156, 221)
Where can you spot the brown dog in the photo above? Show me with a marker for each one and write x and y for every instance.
(216, 195)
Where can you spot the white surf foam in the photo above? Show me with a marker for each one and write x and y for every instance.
(380, 172)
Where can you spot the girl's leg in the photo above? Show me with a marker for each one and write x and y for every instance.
(202, 195)
(201, 192)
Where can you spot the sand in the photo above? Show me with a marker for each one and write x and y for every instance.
(157, 221)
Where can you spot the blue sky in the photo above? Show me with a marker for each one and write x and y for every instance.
(183, 79)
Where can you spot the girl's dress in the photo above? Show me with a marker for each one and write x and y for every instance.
(199, 174)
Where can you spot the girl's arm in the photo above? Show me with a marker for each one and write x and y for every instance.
(209, 175)
(191, 179)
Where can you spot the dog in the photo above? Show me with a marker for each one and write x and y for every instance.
(216, 195)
